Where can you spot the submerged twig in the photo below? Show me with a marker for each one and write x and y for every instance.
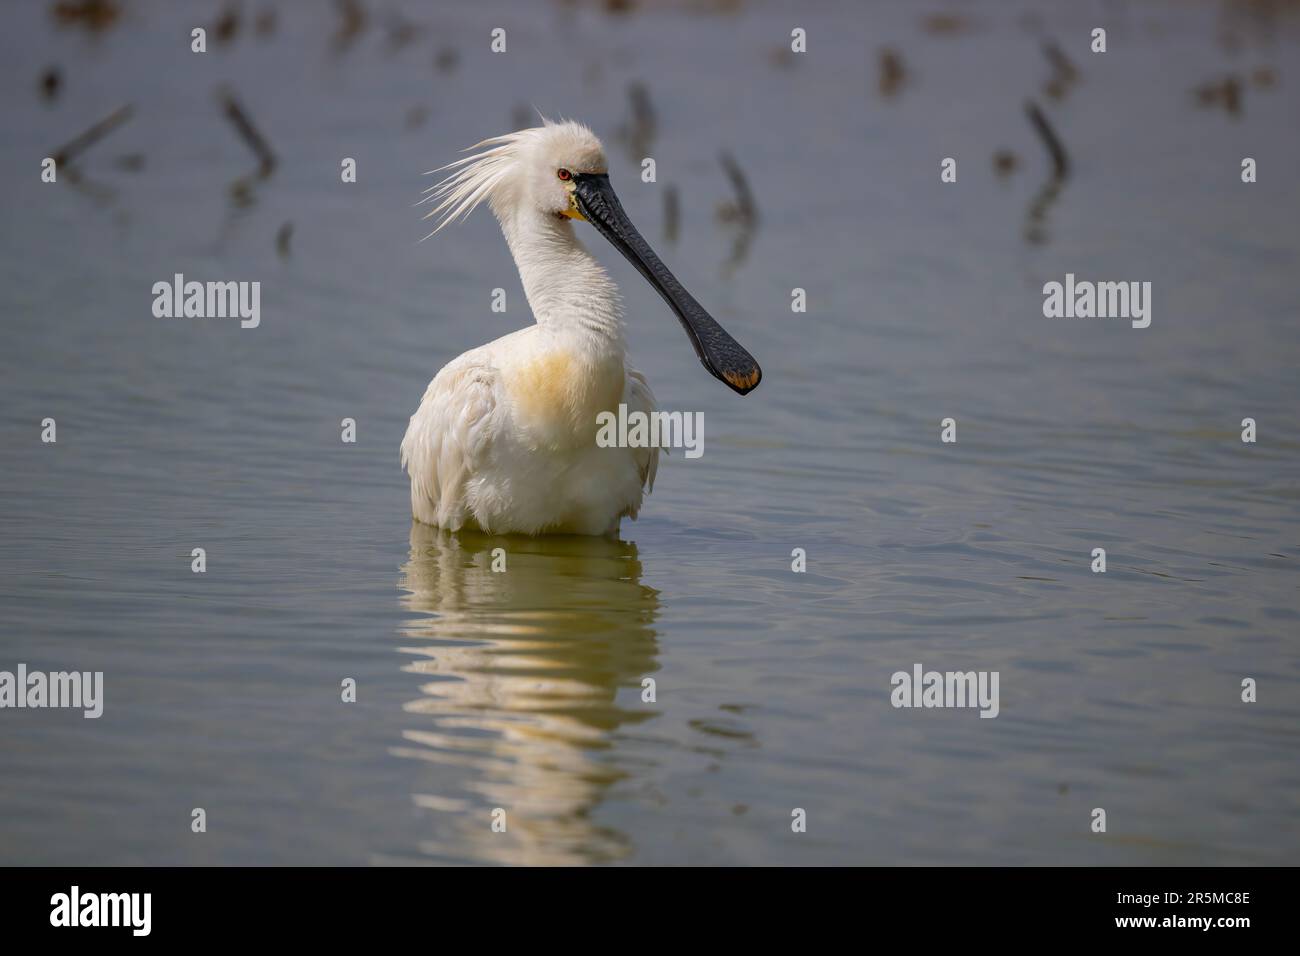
(401, 32)
(744, 208)
(352, 23)
(1061, 63)
(94, 15)
(1264, 77)
(96, 191)
(671, 213)
(743, 212)
(51, 83)
(248, 132)
(1047, 195)
(264, 25)
(1060, 161)
(945, 24)
(416, 116)
(282, 240)
(446, 60)
(1005, 162)
(66, 154)
(1064, 73)
(1227, 91)
(892, 72)
(227, 25)
(640, 132)
(130, 162)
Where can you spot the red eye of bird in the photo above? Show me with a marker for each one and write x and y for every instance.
(564, 174)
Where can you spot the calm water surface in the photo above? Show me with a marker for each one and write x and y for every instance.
(522, 690)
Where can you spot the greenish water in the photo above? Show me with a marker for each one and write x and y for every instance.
(522, 690)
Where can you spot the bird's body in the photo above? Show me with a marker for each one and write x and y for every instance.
(504, 440)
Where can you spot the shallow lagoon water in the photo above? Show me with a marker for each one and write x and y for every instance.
(523, 690)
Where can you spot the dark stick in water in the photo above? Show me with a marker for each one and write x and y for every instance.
(744, 213)
(1060, 161)
(1034, 229)
(745, 206)
(671, 213)
(66, 154)
(256, 142)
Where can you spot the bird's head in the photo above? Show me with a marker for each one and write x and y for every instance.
(553, 163)
(559, 170)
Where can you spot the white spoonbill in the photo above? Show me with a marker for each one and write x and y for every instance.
(504, 440)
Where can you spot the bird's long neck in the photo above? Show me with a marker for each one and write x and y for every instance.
(567, 288)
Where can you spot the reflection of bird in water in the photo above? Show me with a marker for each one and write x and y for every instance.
(530, 673)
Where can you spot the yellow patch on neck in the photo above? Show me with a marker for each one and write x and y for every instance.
(557, 390)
